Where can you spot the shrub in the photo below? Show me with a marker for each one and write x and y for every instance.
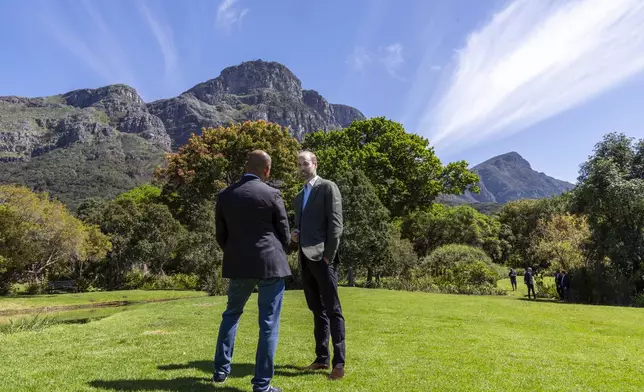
(295, 281)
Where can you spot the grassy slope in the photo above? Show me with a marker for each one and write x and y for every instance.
(396, 341)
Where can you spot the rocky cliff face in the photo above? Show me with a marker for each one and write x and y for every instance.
(510, 177)
(254, 90)
(115, 138)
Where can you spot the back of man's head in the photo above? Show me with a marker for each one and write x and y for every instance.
(259, 164)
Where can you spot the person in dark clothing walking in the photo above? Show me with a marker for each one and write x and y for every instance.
(529, 281)
(513, 278)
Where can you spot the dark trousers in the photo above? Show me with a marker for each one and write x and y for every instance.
(531, 288)
(513, 280)
(320, 282)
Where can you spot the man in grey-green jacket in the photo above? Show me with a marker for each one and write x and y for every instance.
(318, 227)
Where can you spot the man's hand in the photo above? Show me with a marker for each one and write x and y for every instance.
(295, 235)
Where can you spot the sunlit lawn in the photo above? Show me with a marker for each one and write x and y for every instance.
(396, 341)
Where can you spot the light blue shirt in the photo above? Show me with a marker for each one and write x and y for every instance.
(307, 191)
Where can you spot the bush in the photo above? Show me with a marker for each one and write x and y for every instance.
(295, 281)
(213, 283)
(638, 300)
(137, 279)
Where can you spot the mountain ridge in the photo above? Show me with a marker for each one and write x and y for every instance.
(509, 177)
(43, 139)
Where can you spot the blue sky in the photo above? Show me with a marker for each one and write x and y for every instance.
(545, 78)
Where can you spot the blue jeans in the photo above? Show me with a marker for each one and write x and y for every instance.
(269, 301)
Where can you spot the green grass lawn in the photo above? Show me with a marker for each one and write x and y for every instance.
(396, 341)
(14, 304)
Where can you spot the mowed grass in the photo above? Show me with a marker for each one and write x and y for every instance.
(15, 304)
(396, 341)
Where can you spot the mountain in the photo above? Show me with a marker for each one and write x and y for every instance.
(510, 177)
(100, 142)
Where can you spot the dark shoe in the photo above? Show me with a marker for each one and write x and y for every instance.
(273, 389)
(337, 373)
(317, 366)
(219, 377)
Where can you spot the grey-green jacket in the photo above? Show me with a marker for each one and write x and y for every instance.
(320, 223)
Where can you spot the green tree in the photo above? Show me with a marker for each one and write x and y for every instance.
(519, 220)
(39, 237)
(144, 235)
(560, 242)
(364, 245)
(441, 225)
(402, 166)
(214, 160)
(610, 193)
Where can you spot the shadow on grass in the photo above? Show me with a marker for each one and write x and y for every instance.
(181, 384)
(240, 370)
(197, 384)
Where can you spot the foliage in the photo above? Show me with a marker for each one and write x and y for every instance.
(440, 225)
(520, 219)
(611, 196)
(559, 242)
(143, 234)
(104, 167)
(364, 244)
(211, 161)
(39, 237)
(402, 166)
(137, 279)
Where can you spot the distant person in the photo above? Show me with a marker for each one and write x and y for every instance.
(558, 276)
(513, 278)
(252, 229)
(565, 286)
(528, 279)
(318, 227)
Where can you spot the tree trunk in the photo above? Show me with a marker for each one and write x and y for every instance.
(369, 277)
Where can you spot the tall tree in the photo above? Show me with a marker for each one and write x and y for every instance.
(402, 166)
(211, 161)
(364, 245)
(610, 193)
(39, 237)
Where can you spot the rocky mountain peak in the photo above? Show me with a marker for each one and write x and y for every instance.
(251, 77)
(121, 93)
(511, 159)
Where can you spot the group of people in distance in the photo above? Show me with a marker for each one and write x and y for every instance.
(562, 281)
(253, 230)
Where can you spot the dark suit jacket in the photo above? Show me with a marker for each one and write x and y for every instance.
(320, 223)
(252, 230)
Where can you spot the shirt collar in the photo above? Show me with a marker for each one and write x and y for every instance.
(312, 181)
(251, 176)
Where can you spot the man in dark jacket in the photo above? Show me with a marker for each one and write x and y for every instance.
(253, 231)
(528, 279)
(565, 285)
(318, 228)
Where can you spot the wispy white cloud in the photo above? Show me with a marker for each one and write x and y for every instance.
(359, 58)
(165, 38)
(102, 52)
(435, 68)
(533, 60)
(228, 13)
(390, 57)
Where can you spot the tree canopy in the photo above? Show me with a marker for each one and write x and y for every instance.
(402, 167)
